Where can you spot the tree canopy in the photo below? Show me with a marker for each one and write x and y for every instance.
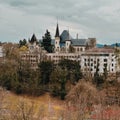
(46, 42)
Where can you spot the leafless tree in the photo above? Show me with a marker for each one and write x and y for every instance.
(27, 111)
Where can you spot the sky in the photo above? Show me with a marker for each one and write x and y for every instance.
(19, 19)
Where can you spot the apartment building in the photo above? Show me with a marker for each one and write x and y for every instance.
(98, 58)
(33, 54)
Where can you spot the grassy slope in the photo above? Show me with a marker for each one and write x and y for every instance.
(45, 104)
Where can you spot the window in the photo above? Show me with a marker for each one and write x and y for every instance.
(105, 60)
(91, 64)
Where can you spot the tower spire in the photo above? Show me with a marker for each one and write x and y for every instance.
(57, 31)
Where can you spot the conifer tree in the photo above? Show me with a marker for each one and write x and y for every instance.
(46, 43)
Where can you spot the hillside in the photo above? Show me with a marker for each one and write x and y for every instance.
(43, 107)
(112, 45)
(47, 107)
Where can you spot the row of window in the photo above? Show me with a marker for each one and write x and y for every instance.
(91, 64)
(65, 57)
(79, 49)
(95, 54)
(105, 60)
(32, 56)
(91, 69)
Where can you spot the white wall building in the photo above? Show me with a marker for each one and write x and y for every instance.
(101, 57)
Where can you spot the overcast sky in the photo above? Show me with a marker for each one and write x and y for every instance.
(89, 18)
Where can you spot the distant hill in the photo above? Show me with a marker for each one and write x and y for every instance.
(112, 45)
(99, 45)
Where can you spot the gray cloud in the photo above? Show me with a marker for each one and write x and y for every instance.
(89, 18)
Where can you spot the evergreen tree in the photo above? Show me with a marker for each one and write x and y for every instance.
(46, 68)
(73, 69)
(46, 42)
(22, 42)
(105, 74)
(98, 79)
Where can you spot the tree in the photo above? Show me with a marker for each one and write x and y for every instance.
(105, 74)
(81, 100)
(46, 42)
(98, 79)
(11, 51)
(58, 82)
(74, 72)
(22, 42)
(46, 68)
(27, 111)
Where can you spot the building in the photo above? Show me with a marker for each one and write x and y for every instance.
(32, 53)
(97, 58)
(84, 51)
(1, 53)
(64, 43)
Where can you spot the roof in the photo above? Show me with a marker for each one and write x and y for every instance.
(74, 42)
(57, 32)
(79, 42)
(103, 50)
(33, 39)
(65, 36)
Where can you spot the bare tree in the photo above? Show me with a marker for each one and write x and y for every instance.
(81, 99)
(27, 111)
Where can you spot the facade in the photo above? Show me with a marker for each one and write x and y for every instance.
(1, 53)
(98, 58)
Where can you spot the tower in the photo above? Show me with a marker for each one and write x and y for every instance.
(57, 40)
(67, 43)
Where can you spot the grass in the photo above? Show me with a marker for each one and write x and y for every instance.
(44, 105)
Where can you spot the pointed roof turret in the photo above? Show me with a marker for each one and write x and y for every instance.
(65, 36)
(57, 31)
(33, 39)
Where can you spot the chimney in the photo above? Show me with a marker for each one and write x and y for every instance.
(77, 36)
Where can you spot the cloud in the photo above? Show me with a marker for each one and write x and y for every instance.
(90, 18)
